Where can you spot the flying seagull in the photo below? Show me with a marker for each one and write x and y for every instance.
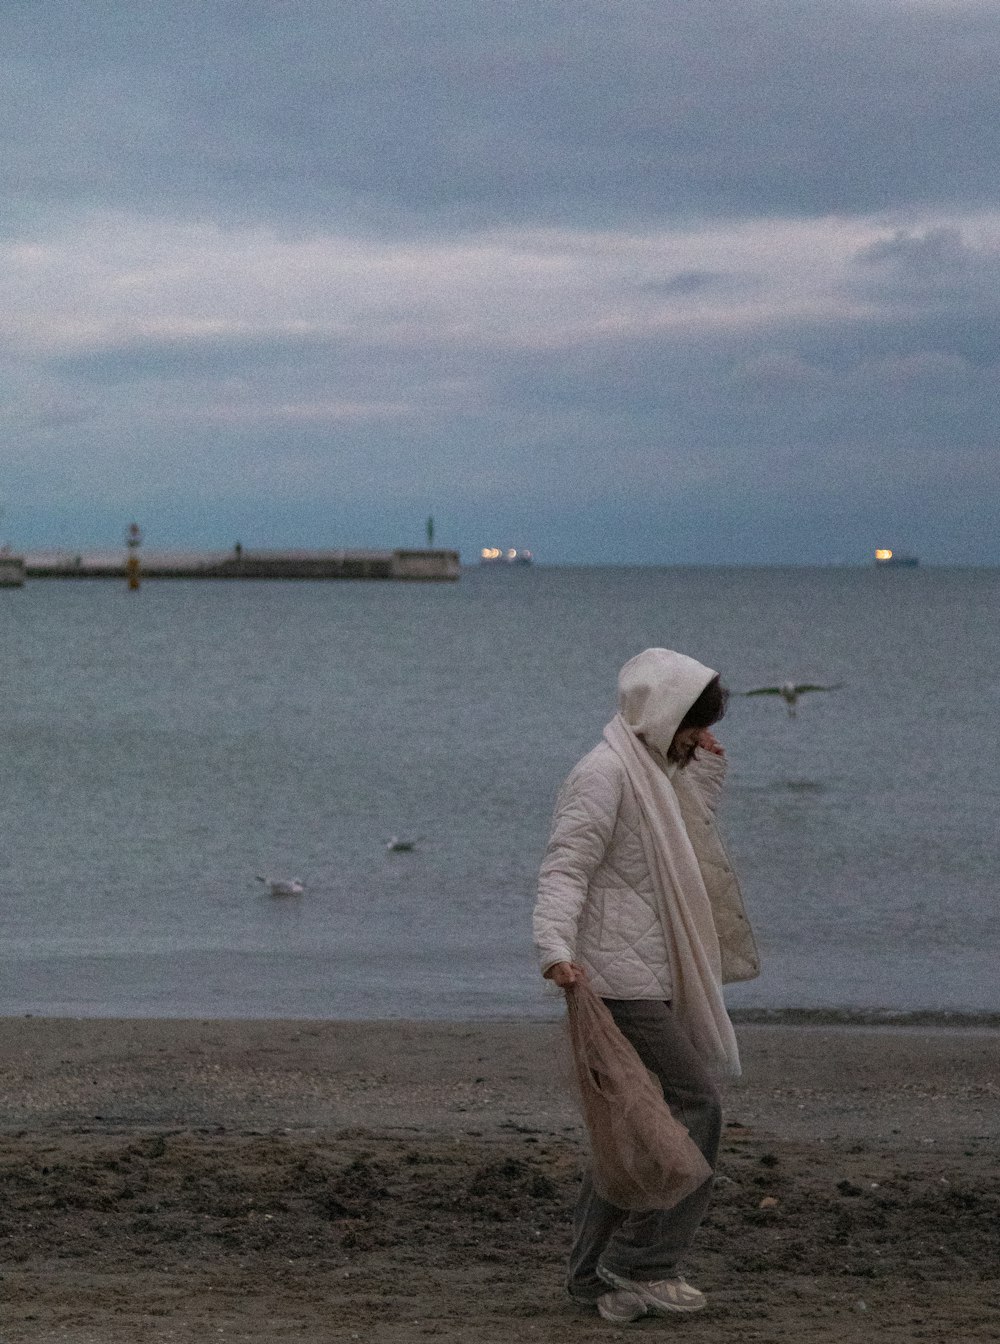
(282, 886)
(790, 692)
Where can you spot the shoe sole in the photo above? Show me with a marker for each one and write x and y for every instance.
(655, 1308)
(621, 1318)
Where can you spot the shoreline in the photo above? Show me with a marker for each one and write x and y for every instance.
(960, 1019)
(318, 1182)
(949, 1018)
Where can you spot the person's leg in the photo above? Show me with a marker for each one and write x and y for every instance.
(594, 1222)
(649, 1246)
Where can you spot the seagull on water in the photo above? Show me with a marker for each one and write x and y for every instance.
(282, 886)
(790, 692)
(397, 846)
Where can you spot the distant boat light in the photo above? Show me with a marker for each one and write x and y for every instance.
(895, 559)
(494, 555)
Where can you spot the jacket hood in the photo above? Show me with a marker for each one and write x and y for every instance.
(656, 689)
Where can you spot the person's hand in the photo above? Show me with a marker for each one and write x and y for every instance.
(709, 742)
(565, 974)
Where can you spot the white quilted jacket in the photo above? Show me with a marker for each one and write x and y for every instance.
(596, 902)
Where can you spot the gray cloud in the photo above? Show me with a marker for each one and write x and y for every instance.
(685, 283)
(173, 358)
(935, 269)
(625, 281)
(314, 111)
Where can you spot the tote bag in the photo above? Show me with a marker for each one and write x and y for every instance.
(643, 1157)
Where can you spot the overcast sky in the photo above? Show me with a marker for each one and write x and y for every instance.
(667, 281)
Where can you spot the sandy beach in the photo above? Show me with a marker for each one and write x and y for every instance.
(389, 1182)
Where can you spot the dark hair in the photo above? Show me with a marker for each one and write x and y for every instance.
(708, 708)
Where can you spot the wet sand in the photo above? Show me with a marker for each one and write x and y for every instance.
(389, 1182)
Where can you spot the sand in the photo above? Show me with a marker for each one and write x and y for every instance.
(390, 1182)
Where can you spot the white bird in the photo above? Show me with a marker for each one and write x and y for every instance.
(282, 886)
(790, 692)
(397, 846)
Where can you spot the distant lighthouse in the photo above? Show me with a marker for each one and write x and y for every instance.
(133, 540)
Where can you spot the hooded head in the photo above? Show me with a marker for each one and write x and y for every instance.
(656, 689)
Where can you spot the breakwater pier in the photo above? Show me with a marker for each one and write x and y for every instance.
(239, 563)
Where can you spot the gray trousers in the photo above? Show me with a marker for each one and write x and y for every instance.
(649, 1246)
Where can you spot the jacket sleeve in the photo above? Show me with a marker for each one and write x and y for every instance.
(584, 821)
(708, 773)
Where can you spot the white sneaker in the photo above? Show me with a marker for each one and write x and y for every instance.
(620, 1307)
(660, 1297)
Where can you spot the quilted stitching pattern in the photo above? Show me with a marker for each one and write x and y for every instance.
(596, 901)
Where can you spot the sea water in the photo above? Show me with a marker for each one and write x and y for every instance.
(163, 748)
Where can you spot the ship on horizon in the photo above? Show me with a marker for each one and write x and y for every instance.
(494, 555)
(885, 558)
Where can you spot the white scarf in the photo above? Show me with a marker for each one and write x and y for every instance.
(682, 900)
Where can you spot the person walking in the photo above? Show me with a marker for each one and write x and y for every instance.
(637, 896)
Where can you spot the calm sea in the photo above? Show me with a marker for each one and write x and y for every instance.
(163, 747)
